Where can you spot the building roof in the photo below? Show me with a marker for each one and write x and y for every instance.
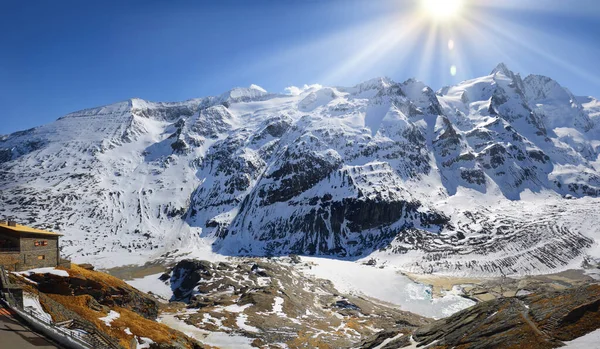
(22, 229)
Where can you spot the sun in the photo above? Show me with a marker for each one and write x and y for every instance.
(442, 9)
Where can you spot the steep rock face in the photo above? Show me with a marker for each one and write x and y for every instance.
(340, 171)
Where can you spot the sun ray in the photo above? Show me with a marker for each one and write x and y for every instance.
(505, 28)
(562, 7)
(417, 42)
(428, 53)
(405, 32)
(473, 38)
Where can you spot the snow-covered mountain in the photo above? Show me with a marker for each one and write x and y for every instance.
(496, 175)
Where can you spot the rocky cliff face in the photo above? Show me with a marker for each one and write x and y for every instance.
(448, 177)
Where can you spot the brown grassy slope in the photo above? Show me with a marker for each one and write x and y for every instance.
(103, 278)
(139, 325)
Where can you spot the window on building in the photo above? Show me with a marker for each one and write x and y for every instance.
(41, 257)
(41, 243)
(44, 243)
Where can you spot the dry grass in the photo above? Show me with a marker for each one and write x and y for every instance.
(306, 340)
(138, 325)
(103, 278)
(354, 324)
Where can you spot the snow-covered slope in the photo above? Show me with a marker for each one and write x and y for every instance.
(491, 176)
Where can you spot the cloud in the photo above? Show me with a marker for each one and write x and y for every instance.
(295, 90)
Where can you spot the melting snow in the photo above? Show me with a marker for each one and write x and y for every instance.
(241, 323)
(385, 342)
(52, 271)
(143, 342)
(590, 340)
(108, 319)
(151, 283)
(234, 308)
(32, 302)
(278, 307)
(218, 339)
(388, 285)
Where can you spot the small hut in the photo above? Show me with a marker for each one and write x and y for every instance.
(24, 248)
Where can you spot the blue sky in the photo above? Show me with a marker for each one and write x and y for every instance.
(62, 56)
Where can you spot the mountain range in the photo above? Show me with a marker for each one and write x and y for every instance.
(498, 175)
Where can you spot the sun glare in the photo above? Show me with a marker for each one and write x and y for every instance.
(442, 9)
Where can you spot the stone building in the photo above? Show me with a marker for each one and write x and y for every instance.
(24, 248)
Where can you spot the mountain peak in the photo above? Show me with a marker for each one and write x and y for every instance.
(244, 93)
(257, 88)
(380, 80)
(502, 68)
(377, 83)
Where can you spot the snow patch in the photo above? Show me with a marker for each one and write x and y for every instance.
(590, 340)
(143, 342)
(241, 323)
(151, 283)
(218, 339)
(52, 271)
(108, 319)
(386, 284)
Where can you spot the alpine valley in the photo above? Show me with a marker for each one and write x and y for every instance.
(496, 177)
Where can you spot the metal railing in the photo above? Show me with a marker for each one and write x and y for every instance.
(97, 336)
(4, 282)
(82, 338)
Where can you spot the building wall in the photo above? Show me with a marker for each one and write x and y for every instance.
(9, 259)
(38, 255)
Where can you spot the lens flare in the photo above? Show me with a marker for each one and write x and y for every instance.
(442, 9)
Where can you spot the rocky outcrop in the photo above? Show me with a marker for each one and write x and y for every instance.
(272, 302)
(103, 293)
(540, 320)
